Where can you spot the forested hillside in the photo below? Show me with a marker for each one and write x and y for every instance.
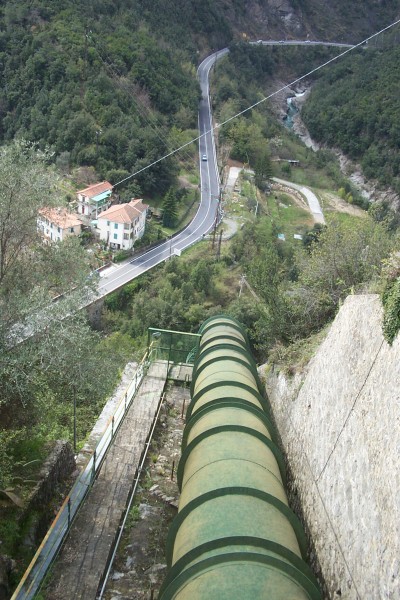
(112, 84)
(355, 106)
(100, 88)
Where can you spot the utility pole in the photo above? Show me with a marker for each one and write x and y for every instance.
(215, 223)
(213, 234)
(241, 285)
(219, 246)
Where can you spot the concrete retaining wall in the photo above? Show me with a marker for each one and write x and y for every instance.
(340, 428)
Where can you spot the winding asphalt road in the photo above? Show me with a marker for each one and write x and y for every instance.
(207, 212)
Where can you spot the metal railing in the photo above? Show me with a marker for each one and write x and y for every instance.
(48, 549)
(173, 346)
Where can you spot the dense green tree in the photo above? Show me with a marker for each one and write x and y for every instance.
(391, 295)
(25, 184)
(31, 275)
(383, 213)
(170, 210)
(93, 91)
(52, 364)
(263, 169)
(201, 276)
(267, 274)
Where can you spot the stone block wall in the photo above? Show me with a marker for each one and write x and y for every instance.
(58, 466)
(340, 428)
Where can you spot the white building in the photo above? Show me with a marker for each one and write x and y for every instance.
(94, 199)
(56, 224)
(122, 224)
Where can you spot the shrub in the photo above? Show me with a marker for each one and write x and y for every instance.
(391, 307)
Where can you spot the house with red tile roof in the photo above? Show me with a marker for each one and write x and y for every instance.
(94, 199)
(56, 224)
(122, 224)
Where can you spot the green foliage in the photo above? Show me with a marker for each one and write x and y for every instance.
(201, 276)
(364, 125)
(25, 181)
(7, 442)
(381, 212)
(391, 305)
(299, 292)
(61, 360)
(133, 517)
(263, 169)
(100, 95)
(177, 295)
(121, 255)
(170, 210)
(9, 534)
(312, 236)
(391, 296)
(346, 256)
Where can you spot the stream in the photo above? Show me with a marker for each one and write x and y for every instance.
(292, 110)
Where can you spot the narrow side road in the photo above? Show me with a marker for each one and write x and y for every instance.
(311, 198)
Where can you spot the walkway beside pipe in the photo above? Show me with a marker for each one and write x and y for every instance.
(235, 537)
(83, 559)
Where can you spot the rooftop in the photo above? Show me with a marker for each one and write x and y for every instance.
(60, 216)
(124, 213)
(96, 189)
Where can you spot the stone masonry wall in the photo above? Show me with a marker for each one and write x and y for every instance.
(340, 428)
(57, 467)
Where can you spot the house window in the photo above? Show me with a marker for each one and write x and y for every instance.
(108, 223)
(115, 225)
(126, 236)
(59, 229)
(71, 229)
(115, 236)
(127, 225)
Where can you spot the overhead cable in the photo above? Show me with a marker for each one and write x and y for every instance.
(219, 125)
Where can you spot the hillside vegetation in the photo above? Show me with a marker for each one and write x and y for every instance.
(92, 81)
(104, 84)
(355, 106)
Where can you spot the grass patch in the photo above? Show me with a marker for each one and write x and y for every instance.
(287, 217)
(347, 218)
(133, 516)
(193, 178)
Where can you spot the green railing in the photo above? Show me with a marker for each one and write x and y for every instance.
(172, 346)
